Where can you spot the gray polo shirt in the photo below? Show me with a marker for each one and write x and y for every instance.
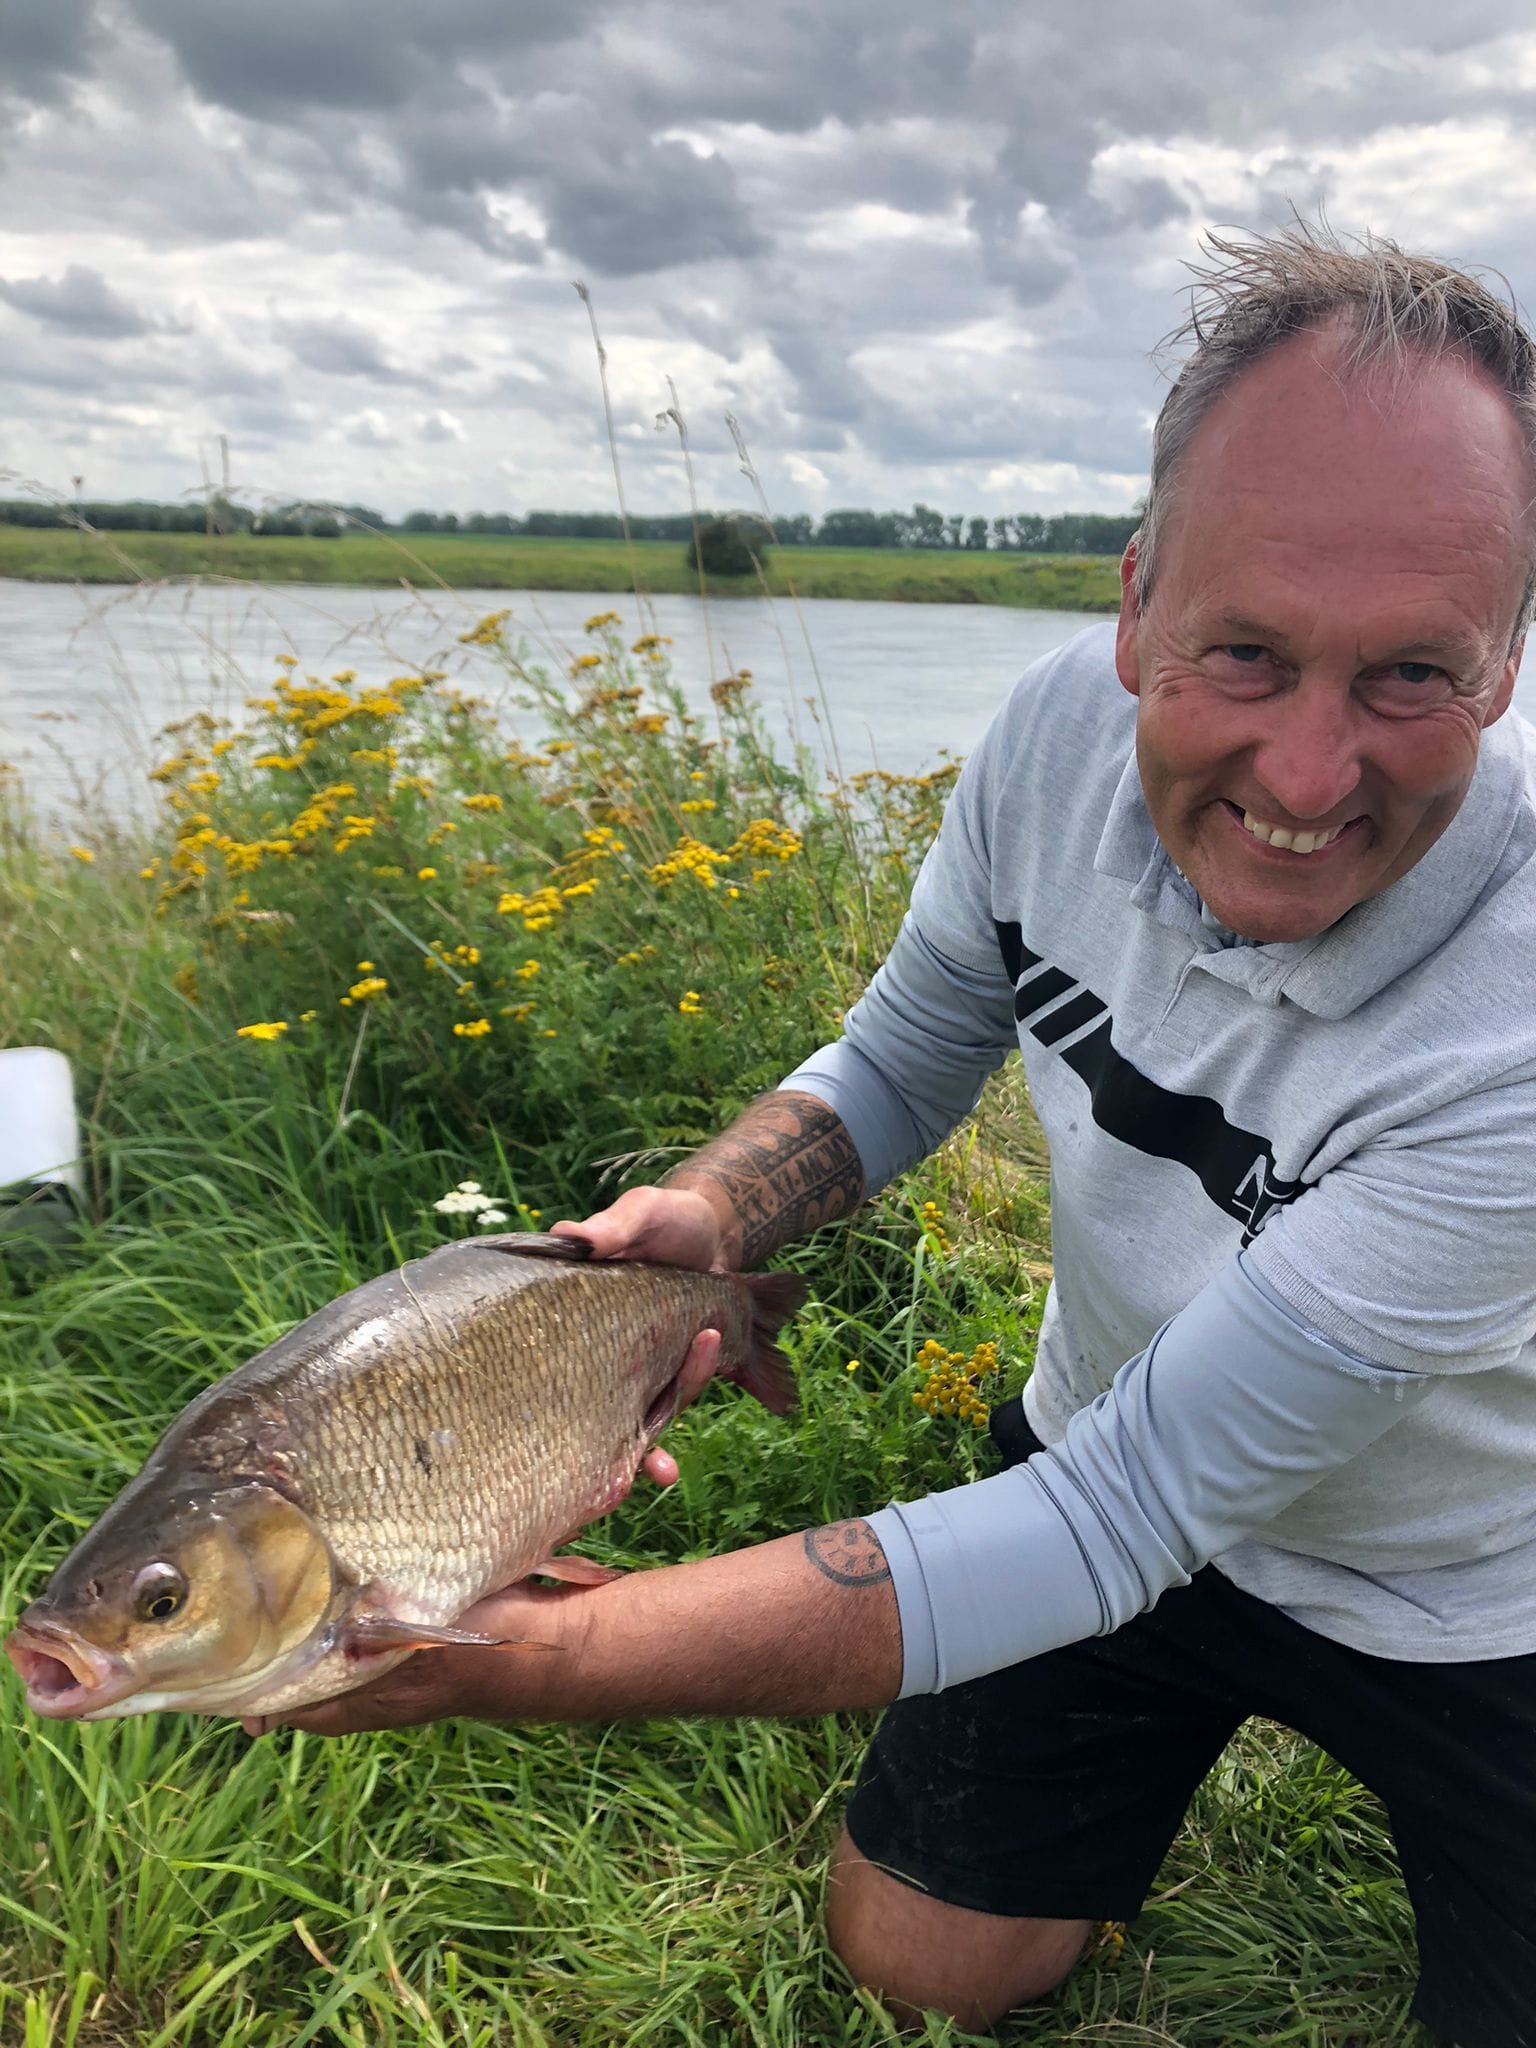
(1293, 1188)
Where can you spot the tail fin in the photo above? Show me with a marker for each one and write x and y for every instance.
(767, 1373)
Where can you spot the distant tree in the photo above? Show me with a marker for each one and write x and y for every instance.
(795, 530)
(419, 522)
(448, 522)
(926, 527)
(976, 534)
(954, 529)
(857, 529)
(323, 526)
(723, 547)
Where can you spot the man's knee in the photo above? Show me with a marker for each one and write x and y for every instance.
(919, 1955)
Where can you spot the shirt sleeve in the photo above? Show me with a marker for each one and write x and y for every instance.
(937, 1018)
(1235, 1409)
(1420, 1250)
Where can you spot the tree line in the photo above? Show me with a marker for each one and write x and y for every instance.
(1061, 533)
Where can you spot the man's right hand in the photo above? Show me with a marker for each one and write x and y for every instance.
(673, 1226)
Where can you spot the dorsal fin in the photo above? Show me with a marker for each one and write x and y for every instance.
(535, 1244)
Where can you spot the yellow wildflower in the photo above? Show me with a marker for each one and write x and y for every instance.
(691, 1004)
(265, 1032)
(287, 661)
(308, 1016)
(365, 967)
(476, 1029)
(698, 803)
(600, 619)
(184, 981)
(83, 853)
(528, 970)
(148, 874)
(487, 800)
(361, 991)
(585, 661)
(426, 874)
(221, 746)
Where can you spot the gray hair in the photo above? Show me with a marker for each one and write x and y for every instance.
(1390, 309)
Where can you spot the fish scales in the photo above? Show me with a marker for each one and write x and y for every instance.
(426, 1439)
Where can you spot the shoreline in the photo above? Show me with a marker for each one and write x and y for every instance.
(1083, 583)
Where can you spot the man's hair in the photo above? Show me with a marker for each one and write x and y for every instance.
(1389, 309)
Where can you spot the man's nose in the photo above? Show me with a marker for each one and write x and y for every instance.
(1309, 757)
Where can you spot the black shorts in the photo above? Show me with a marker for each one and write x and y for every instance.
(1055, 1788)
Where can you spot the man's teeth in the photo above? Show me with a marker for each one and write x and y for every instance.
(1295, 842)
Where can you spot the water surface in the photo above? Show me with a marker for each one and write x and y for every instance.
(88, 677)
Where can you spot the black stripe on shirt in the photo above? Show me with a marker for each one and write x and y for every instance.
(1235, 1167)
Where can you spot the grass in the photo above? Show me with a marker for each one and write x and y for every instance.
(466, 562)
(698, 911)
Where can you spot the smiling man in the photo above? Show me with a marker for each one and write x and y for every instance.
(1251, 881)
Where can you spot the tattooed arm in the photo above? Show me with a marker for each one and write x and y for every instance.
(786, 1166)
(805, 1624)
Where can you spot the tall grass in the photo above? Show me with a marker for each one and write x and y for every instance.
(651, 917)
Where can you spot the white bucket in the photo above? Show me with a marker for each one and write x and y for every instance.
(39, 1132)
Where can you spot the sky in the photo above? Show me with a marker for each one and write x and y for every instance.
(917, 251)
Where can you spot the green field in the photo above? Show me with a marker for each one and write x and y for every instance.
(463, 562)
(635, 928)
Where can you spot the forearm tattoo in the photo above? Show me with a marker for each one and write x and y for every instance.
(787, 1165)
(847, 1553)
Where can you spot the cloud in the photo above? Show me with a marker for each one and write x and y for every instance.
(914, 253)
(338, 348)
(81, 302)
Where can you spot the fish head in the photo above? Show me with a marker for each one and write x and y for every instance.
(190, 1600)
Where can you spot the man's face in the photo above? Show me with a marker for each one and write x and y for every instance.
(1328, 632)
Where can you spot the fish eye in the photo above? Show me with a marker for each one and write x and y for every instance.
(158, 1592)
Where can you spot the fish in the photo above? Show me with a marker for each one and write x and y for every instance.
(337, 1502)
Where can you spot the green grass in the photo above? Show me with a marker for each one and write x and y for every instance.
(466, 562)
(166, 1882)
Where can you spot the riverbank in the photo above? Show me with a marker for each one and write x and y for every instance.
(1087, 583)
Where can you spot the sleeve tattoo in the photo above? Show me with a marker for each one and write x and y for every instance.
(847, 1553)
(787, 1165)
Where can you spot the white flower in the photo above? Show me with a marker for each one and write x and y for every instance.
(469, 1187)
(488, 1217)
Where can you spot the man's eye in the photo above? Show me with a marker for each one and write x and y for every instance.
(1246, 651)
(1415, 671)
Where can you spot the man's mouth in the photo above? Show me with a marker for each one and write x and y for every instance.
(1286, 840)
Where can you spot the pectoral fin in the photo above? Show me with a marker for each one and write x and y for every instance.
(367, 1634)
(576, 1571)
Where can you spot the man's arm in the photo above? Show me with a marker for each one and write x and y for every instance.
(786, 1166)
(806, 1624)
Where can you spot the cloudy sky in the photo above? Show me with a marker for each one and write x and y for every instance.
(919, 248)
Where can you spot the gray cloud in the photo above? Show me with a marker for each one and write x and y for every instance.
(81, 302)
(909, 250)
(338, 348)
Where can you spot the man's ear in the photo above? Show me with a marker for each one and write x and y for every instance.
(1506, 689)
(1126, 666)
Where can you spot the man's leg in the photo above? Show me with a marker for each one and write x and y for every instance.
(916, 1953)
(994, 1823)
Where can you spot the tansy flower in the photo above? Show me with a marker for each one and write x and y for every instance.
(83, 853)
(487, 800)
(265, 1032)
(360, 991)
(477, 1028)
(691, 1004)
(426, 874)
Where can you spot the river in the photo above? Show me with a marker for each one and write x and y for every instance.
(89, 677)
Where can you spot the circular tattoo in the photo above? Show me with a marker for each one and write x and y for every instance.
(848, 1553)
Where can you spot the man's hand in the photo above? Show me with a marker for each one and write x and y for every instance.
(673, 1226)
(674, 1229)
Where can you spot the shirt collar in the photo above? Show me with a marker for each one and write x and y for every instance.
(1372, 945)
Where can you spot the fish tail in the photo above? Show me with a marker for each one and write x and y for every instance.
(766, 1372)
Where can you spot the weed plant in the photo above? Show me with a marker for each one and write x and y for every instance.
(376, 948)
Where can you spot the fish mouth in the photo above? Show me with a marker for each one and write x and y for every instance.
(67, 1678)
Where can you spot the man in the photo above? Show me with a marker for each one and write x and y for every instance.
(1251, 881)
